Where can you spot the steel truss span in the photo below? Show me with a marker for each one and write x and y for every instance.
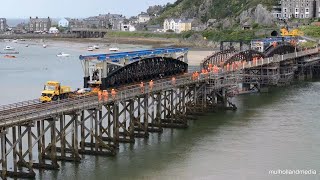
(144, 70)
(247, 55)
(217, 57)
(280, 50)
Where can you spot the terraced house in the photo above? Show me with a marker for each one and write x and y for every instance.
(300, 9)
(39, 24)
(3, 24)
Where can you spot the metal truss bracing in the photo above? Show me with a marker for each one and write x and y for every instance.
(280, 49)
(217, 58)
(247, 55)
(144, 70)
(99, 129)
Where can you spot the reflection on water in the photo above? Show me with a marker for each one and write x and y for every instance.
(277, 130)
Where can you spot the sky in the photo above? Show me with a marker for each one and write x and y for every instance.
(73, 8)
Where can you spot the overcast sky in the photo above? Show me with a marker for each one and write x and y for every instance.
(73, 8)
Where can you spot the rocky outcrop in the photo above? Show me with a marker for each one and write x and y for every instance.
(258, 15)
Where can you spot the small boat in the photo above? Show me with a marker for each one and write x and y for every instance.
(15, 41)
(90, 48)
(8, 48)
(27, 45)
(9, 56)
(114, 49)
(62, 54)
(10, 52)
(44, 46)
(96, 47)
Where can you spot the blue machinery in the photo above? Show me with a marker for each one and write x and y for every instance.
(134, 55)
(97, 67)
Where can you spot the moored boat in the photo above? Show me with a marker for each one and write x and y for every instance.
(114, 49)
(90, 48)
(62, 54)
(9, 56)
(8, 48)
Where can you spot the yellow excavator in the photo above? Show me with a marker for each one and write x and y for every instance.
(294, 32)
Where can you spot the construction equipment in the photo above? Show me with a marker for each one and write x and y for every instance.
(294, 32)
(53, 91)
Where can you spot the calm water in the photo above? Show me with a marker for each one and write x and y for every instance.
(278, 130)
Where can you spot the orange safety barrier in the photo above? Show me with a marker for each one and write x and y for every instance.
(105, 95)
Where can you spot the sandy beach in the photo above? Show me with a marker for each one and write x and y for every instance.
(196, 56)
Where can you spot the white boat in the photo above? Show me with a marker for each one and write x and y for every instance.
(14, 41)
(27, 45)
(90, 48)
(114, 49)
(62, 54)
(44, 46)
(8, 48)
(96, 47)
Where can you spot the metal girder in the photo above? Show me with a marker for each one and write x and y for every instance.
(147, 69)
(247, 55)
(284, 48)
(216, 58)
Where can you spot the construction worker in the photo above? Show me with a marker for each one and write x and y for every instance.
(142, 87)
(173, 80)
(151, 85)
(196, 75)
(105, 95)
(113, 94)
(99, 95)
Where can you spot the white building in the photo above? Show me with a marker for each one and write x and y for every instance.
(143, 18)
(127, 27)
(64, 22)
(53, 30)
(171, 24)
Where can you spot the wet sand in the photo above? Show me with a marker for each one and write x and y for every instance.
(195, 57)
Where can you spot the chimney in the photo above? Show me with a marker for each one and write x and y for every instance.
(36, 17)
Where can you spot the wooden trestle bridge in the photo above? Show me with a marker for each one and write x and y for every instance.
(38, 135)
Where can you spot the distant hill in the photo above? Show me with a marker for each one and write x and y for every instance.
(210, 9)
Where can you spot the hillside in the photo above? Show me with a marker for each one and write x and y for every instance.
(209, 9)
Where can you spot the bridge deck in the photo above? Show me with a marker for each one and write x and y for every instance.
(23, 112)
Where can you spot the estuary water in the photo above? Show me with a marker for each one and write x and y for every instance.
(278, 130)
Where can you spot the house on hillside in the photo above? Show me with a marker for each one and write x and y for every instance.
(64, 22)
(185, 25)
(154, 28)
(76, 23)
(143, 17)
(39, 24)
(177, 25)
(300, 9)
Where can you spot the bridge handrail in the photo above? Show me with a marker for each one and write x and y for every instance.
(19, 104)
(133, 91)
